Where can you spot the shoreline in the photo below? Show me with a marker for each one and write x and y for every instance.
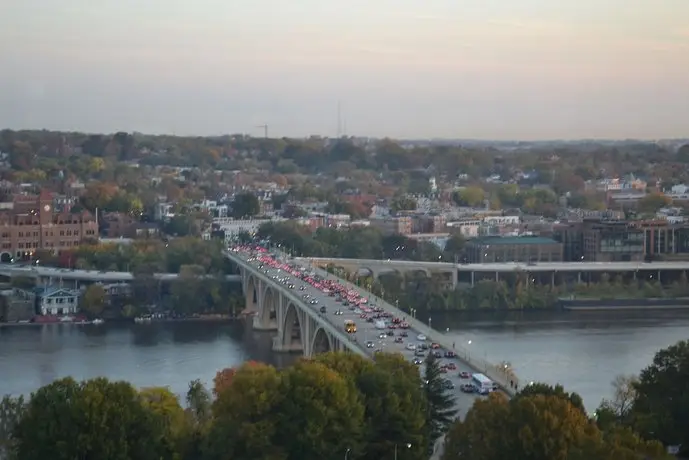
(224, 319)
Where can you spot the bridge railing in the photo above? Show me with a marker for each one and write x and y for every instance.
(501, 374)
(344, 338)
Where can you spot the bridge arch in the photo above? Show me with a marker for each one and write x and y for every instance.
(269, 308)
(322, 342)
(251, 295)
(364, 271)
(5, 257)
(292, 330)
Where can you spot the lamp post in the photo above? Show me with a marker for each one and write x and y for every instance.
(407, 445)
(347, 452)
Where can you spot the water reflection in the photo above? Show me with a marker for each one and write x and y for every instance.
(584, 351)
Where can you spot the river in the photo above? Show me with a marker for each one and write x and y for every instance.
(584, 351)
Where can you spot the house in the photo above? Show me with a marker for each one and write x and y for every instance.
(57, 301)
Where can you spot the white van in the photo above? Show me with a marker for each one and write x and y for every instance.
(380, 324)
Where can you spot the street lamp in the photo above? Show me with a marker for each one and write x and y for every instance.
(407, 445)
(347, 452)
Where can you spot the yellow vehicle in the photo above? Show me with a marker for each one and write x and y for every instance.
(350, 326)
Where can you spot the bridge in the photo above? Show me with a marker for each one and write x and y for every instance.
(50, 274)
(546, 272)
(300, 326)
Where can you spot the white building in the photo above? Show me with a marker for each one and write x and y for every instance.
(57, 301)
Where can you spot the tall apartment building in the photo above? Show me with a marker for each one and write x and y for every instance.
(32, 224)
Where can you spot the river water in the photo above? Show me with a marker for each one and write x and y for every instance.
(584, 351)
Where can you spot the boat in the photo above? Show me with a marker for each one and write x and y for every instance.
(97, 321)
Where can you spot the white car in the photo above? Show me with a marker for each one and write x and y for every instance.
(411, 346)
(421, 337)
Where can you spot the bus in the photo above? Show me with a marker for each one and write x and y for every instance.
(350, 326)
(483, 384)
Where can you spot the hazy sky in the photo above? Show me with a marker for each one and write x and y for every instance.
(496, 69)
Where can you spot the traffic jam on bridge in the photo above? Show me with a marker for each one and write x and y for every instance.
(384, 323)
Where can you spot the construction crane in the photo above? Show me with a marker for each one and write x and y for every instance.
(265, 129)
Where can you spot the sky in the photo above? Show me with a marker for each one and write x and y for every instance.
(479, 69)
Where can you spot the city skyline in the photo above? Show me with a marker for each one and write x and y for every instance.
(404, 69)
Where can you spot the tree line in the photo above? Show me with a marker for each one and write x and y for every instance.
(339, 404)
(354, 243)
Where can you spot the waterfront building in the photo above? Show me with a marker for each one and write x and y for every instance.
(32, 224)
(525, 249)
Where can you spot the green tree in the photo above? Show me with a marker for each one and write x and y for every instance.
(246, 416)
(653, 202)
(169, 414)
(321, 413)
(558, 391)
(469, 196)
(454, 247)
(245, 205)
(394, 404)
(199, 401)
(661, 406)
(93, 419)
(441, 402)
(93, 300)
(11, 412)
(683, 154)
(403, 203)
(618, 409)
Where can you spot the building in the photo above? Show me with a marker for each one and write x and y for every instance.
(33, 224)
(525, 249)
(392, 225)
(601, 241)
(57, 301)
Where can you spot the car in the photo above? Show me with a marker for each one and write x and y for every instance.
(437, 354)
(411, 346)
(323, 309)
(467, 388)
(302, 288)
(338, 312)
(418, 361)
(435, 346)
(390, 333)
(451, 366)
(464, 375)
(450, 354)
(420, 352)
(383, 335)
(369, 344)
(404, 334)
(313, 302)
(398, 340)
(421, 337)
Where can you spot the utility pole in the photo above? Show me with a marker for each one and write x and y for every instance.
(339, 119)
(265, 129)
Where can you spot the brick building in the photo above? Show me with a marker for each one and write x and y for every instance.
(32, 224)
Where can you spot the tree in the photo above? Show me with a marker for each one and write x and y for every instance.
(661, 407)
(619, 408)
(683, 154)
(454, 246)
(246, 416)
(93, 300)
(539, 427)
(245, 205)
(394, 404)
(92, 419)
(469, 196)
(11, 412)
(169, 414)
(441, 411)
(199, 401)
(321, 413)
(403, 203)
(558, 391)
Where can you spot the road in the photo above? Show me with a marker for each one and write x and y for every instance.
(367, 331)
